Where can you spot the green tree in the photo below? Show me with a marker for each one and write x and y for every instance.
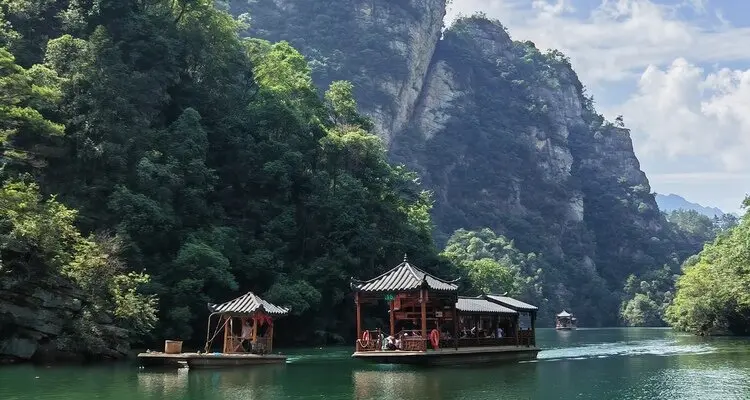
(492, 264)
(27, 99)
(712, 295)
(38, 241)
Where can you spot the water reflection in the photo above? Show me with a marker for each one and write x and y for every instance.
(396, 385)
(722, 375)
(241, 383)
(163, 382)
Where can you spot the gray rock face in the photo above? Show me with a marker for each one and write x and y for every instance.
(39, 321)
(385, 47)
(500, 132)
(414, 40)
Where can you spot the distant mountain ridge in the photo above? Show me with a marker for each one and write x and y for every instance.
(673, 202)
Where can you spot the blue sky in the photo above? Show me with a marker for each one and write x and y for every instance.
(677, 70)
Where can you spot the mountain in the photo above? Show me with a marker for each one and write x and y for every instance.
(503, 134)
(673, 202)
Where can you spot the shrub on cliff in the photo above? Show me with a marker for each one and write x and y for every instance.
(38, 240)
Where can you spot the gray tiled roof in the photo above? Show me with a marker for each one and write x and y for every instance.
(403, 277)
(480, 305)
(511, 302)
(247, 304)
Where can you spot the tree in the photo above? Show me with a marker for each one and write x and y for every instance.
(25, 97)
(492, 264)
(712, 295)
(38, 241)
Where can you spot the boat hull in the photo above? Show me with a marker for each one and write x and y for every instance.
(195, 360)
(450, 356)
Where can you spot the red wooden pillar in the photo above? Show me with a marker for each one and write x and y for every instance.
(359, 319)
(393, 319)
(424, 313)
(455, 325)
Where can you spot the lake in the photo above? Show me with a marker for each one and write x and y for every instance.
(635, 363)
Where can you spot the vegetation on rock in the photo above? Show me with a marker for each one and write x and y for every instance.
(201, 165)
(712, 296)
(214, 162)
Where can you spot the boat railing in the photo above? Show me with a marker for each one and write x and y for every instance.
(412, 340)
(261, 345)
(374, 343)
(486, 342)
(526, 338)
(408, 340)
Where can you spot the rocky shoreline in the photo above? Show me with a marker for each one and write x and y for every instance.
(47, 320)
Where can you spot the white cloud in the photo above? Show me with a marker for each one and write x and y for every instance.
(619, 38)
(690, 124)
(681, 112)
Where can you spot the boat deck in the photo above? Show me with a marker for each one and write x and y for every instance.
(207, 360)
(465, 355)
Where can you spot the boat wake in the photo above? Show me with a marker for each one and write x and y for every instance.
(604, 350)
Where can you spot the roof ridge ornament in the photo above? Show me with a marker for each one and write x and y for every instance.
(405, 257)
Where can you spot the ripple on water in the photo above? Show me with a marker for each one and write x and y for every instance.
(694, 383)
(662, 347)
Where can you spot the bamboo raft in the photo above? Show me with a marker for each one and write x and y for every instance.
(247, 326)
(210, 360)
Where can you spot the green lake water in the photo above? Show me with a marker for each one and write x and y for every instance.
(584, 364)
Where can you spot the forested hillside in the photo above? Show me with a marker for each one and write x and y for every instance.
(712, 296)
(213, 161)
(160, 155)
(506, 138)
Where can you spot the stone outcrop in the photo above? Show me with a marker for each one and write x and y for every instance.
(384, 47)
(46, 320)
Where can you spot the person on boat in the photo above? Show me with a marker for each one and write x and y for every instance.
(389, 343)
(400, 342)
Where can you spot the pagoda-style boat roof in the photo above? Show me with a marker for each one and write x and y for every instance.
(564, 314)
(511, 302)
(247, 304)
(404, 277)
(481, 306)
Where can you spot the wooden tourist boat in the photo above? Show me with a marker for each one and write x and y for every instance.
(430, 324)
(247, 327)
(565, 321)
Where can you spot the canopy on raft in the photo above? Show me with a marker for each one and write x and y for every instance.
(247, 305)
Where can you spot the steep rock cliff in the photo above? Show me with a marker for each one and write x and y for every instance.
(46, 319)
(502, 133)
(383, 47)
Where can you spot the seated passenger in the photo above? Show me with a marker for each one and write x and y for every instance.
(389, 343)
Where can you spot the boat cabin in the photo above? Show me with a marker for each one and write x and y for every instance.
(425, 313)
(245, 323)
(565, 321)
(526, 317)
(417, 302)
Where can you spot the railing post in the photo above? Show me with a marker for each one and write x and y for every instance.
(359, 320)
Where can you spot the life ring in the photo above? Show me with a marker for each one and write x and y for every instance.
(366, 337)
(435, 339)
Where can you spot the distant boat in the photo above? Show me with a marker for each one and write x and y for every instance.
(565, 321)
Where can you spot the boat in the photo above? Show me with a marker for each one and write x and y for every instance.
(430, 324)
(565, 321)
(246, 324)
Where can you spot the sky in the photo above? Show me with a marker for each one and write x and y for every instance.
(678, 71)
